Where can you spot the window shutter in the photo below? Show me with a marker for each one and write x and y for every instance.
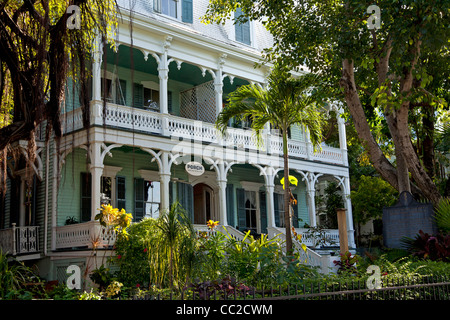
(157, 6)
(169, 101)
(187, 11)
(138, 199)
(276, 209)
(138, 95)
(230, 208)
(242, 219)
(85, 184)
(185, 196)
(170, 193)
(263, 211)
(120, 193)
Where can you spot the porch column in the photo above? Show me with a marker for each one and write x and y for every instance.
(218, 85)
(311, 180)
(348, 206)
(342, 136)
(165, 181)
(309, 146)
(223, 202)
(96, 69)
(163, 74)
(96, 169)
(270, 187)
(312, 206)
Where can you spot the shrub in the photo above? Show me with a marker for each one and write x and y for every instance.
(426, 246)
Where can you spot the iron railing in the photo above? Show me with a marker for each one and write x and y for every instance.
(435, 287)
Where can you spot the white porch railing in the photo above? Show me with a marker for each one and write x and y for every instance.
(233, 232)
(324, 262)
(20, 240)
(88, 234)
(146, 121)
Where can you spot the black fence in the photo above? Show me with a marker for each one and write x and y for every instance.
(423, 288)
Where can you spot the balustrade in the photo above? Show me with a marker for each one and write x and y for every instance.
(146, 121)
(20, 240)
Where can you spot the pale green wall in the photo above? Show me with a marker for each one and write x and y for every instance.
(69, 190)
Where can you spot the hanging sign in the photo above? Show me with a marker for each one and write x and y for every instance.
(194, 168)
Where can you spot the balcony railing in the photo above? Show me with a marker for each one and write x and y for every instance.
(19, 240)
(124, 117)
(88, 234)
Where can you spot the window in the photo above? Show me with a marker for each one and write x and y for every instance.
(247, 209)
(279, 211)
(114, 91)
(149, 98)
(106, 190)
(177, 9)
(147, 199)
(85, 183)
(242, 29)
(120, 198)
(250, 210)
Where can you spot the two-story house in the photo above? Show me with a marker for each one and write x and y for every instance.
(152, 140)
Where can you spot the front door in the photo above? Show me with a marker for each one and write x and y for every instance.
(203, 204)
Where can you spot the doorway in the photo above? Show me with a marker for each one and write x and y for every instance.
(204, 208)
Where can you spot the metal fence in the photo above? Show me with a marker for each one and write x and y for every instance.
(423, 288)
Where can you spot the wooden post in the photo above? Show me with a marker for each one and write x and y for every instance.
(342, 225)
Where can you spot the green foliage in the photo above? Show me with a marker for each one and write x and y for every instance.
(347, 263)
(13, 277)
(426, 246)
(101, 276)
(333, 201)
(368, 200)
(442, 215)
(157, 252)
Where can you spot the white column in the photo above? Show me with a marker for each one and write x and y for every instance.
(96, 70)
(223, 201)
(165, 181)
(222, 183)
(270, 205)
(311, 193)
(163, 74)
(311, 179)
(309, 147)
(96, 169)
(348, 206)
(218, 85)
(342, 136)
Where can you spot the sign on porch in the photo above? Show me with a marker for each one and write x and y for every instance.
(195, 168)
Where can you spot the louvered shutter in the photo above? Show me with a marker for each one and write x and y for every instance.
(187, 11)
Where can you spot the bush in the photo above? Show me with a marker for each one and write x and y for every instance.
(426, 246)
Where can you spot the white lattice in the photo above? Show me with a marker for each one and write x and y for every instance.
(199, 103)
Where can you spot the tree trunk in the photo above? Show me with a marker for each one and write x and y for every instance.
(379, 161)
(287, 196)
(387, 171)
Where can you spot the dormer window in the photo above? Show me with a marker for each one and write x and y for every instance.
(178, 9)
(242, 29)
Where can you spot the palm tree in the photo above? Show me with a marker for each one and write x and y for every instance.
(287, 100)
(177, 230)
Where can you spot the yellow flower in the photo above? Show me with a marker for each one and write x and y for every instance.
(212, 224)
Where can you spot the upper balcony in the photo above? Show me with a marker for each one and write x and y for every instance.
(171, 126)
(160, 95)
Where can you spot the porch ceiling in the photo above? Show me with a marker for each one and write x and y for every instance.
(188, 73)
